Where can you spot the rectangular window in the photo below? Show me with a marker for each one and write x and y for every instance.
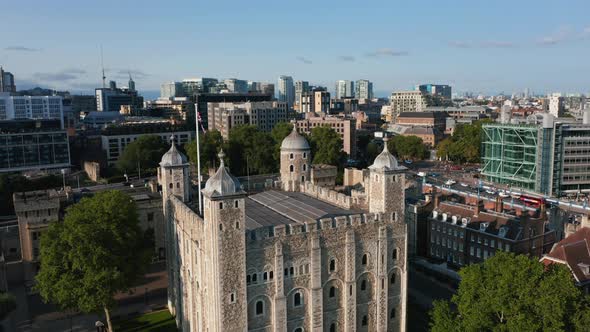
(471, 251)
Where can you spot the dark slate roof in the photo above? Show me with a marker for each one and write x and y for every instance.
(273, 208)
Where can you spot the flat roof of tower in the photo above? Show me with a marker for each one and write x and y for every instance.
(274, 208)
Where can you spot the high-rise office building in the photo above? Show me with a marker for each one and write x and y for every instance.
(344, 89)
(197, 85)
(6, 81)
(171, 90)
(39, 144)
(556, 105)
(315, 101)
(363, 89)
(436, 90)
(267, 89)
(287, 90)
(112, 98)
(235, 85)
(300, 88)
(263, 114)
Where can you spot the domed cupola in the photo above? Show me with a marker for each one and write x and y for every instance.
(386, 161)
(295, 141)
(222, 183)
(173, 157)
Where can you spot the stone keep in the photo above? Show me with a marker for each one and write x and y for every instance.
(243, 265)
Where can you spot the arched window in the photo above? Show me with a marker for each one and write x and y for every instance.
(392, 314)
(363, 285)
(332, 265)
(259, 308)
(237, 225)
(254, 277)
(304, 167)
(247, 279)
(220, 227)
(265, 276)
(177, 184)
(297, 299)
(304, 155)
(236, 204)
(291, 168)
(364, 259)
(332, 291)
(232, 298)
(392, 279)
(290, 156)
(303, 178)
(270, 275)
(298, 330)
(394, 254)
(221, 205)
(365, 321)
(333, 327)
(170, 185)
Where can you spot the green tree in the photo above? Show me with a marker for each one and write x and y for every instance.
(511, 292)
(326, 146)
(145, 153)
(464, 145)
(251, 151)
(211, 142)
(278, 134)
(7, 305)
(96, 252)
(407, 147)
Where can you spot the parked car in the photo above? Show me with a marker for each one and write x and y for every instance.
(450, 182)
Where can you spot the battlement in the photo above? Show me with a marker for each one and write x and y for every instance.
(182, 213)
(323, 224)
(327, 195)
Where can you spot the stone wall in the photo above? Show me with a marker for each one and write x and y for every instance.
(92, 169)
(326, 195)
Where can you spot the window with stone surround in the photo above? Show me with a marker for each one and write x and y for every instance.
(332, 265)
(259, 308)
(297, 299)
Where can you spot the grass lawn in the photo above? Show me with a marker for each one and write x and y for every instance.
(153, 321)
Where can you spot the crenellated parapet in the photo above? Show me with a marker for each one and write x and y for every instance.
(352, 221)
(327, 195)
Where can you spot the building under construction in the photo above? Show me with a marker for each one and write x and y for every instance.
(546, 155)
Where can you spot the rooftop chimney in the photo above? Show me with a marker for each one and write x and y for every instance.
(478, 207)
(499, 204)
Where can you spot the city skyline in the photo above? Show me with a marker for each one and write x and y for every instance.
(504, 49)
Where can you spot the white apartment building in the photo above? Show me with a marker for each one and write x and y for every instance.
(31, 107)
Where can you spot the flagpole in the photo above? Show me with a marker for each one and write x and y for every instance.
(197, 118)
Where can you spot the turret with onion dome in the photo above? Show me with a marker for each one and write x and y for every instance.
(385, 161)
(173, 173)
(222, 183)
(385, 182)
(295, 160)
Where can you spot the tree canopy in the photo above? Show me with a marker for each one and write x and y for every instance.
(326, 146)
(145, 152)
(211, 142)
(7, 305)
(511, 292)
(278, 134)
(464, 145)
(250, 151)
(407, 147)
(97, 251)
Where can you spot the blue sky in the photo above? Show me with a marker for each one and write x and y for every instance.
(490, 47)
